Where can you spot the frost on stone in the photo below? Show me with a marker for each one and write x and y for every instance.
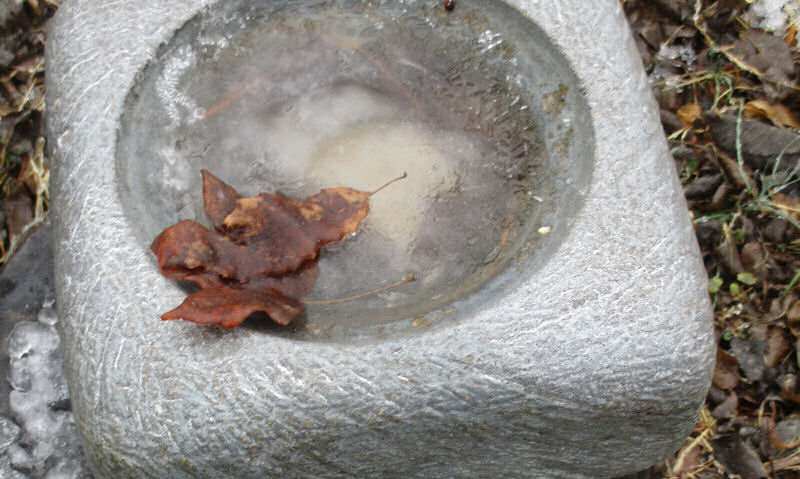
(39, 440)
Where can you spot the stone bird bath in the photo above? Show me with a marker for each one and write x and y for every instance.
(559, 325)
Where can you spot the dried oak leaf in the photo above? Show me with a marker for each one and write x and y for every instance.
(260, 255)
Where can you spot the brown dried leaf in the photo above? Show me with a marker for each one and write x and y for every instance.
(791, 35)
(779, 231)
(727, 408)
(29, 67)
(780, 306)
(764, 55)
(219, 199)
(688, 460)
(777, 113)
(737, 457)
(726, 370)
(721, 199)
(272, 234)
(752, 257)
(703, 187)
(689, 113)
(228, 306)
(750, 356)
(741, 175)
(653, 34)
(787, 433)
(261, 254)
(777, 346)
(296, 284)
(183, 250)
(788, 204)
(793, 314)
(19, 213)
(728, 255)
(760, 142)
(790, 388)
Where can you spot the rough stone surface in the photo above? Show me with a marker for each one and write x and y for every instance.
(594, 366)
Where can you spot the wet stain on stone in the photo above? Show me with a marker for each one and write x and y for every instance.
(553, 103)
(561, 146)
(421, 322)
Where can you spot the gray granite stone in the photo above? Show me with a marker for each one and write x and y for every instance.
(593, 363)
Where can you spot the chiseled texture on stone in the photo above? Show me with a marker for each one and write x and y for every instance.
(595, 366)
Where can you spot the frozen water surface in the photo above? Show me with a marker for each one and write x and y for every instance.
(39, 439)
(295, 97)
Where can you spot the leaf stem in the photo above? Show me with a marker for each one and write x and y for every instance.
(403, 176)
(409, 278)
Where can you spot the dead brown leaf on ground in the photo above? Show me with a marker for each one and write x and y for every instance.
(779, 114)
(23, 168)
(726, 372)
(689, 114)
(729, 100)
(764, 54)
(737, 456)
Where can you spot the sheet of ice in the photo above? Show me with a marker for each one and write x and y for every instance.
(295, 109)
(40, 439)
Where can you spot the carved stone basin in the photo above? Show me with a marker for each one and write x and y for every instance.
(558, 327)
